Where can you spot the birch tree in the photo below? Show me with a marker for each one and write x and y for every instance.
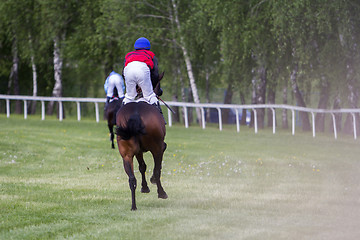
(11, 15)
(176, 33)
(230, 18)
(204, 45)
(349, 36)
(31, 24)
(188, 64)
(291, 35)
(59, 15)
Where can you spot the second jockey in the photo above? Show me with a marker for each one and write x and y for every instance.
(114, 87)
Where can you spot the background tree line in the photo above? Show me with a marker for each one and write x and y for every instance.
(257, 51)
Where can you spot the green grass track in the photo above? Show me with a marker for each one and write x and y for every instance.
(61, 180)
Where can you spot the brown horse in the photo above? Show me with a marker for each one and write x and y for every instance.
(141, 128)
(115, 104)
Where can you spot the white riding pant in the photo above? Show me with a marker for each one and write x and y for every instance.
(115, 81)
(138, 73)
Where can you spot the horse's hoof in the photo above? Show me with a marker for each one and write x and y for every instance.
(133, 208)
(145, 190)
(163, 195)
(153, 180)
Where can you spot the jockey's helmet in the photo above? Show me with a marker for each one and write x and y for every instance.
(142, 43)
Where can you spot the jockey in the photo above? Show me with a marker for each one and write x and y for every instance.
(114, 83)
(140, 67)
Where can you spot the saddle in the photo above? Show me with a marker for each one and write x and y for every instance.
(114, 98)
(157, 91)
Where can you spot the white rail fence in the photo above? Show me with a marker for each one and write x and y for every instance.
(185, 107)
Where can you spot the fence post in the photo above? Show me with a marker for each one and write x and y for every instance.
(97, 111)
(60, 111)
(25, 109)
(334, 124)
(273, 117)
(203, 117)
(255, 120)
(42, 110)
(7, 108)
(237, 120)
(354, 121)
(169, 117)
(293, 121)
(78, 111)
(186, 117)
(313, 123)
(220, 119)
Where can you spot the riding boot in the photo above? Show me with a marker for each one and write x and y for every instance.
(157, 104)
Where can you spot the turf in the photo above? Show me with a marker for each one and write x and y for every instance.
(61, 180)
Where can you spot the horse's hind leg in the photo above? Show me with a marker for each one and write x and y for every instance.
(111, 135)
(142, 169)
(155, 179)
(129, 169)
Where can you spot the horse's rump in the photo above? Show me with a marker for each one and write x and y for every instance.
(140, 119)
(133, 127)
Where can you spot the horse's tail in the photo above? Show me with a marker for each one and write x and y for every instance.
(133, 127)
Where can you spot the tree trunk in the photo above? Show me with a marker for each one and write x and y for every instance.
(207, 92)
(253, 97)
(324, 93)
(33, 66)
(34, 72)
(58, 62)
(299, 100)
(243, 116)
(284, 121)
(176, 68)
(261, 95)
(350, 45)
(190, 110)
(187, 63)
(183, 94)
(32, 107)
(323, 102)
(258, 94)
(227, 100)
(338, 116)
(14, 75)
(353, 97)
(271, 100)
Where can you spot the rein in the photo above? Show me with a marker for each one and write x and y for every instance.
(166, 105)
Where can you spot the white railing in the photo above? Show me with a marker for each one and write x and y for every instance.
(96, 101)
(272, 107)
(185, 106)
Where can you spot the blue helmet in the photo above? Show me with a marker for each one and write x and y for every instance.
(142, 43)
